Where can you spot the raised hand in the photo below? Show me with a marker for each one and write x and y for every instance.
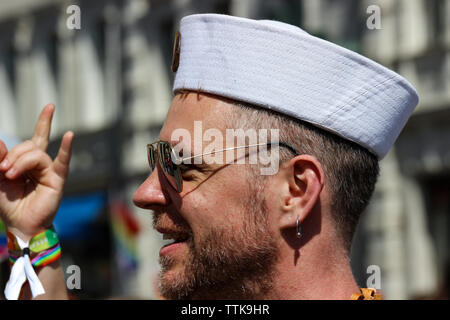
(31, 184)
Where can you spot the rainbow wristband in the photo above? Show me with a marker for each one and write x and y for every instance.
(45, 244)
(47, 257)
(42, 259)
(39, 242)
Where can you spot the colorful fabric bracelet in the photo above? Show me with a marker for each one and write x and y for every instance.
(44, 258)
(39, 242)
(47, 257)
(44, 247)
(21, 267)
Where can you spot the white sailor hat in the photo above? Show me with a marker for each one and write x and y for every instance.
(281, 67)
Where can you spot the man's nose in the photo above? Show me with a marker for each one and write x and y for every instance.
(150, 194)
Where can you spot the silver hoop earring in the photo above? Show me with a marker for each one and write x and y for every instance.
(299, 230)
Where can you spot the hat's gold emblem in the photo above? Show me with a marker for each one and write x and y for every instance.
(176, 52)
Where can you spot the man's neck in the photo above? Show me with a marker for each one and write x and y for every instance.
(313, 274)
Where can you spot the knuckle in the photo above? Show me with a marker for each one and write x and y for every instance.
(39, 156)
(38, 152)
(24, 146)
(44, 156)
(30, 144)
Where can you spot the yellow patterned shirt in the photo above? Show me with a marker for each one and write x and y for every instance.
(366, 294)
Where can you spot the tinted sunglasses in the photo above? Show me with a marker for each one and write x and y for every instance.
(162, 152)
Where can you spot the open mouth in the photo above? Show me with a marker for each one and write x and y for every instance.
(173, 238)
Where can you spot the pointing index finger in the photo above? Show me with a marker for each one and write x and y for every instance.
(42, 130)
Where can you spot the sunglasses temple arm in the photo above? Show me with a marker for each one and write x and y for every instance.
(227, 149)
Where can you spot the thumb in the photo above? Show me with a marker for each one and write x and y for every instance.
(61, 163)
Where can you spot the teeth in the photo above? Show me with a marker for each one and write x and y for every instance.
(176, 237)
(167, 242)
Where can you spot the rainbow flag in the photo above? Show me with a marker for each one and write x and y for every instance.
(125, 229)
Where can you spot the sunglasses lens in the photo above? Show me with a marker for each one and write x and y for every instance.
(170, 168)
(151, 157)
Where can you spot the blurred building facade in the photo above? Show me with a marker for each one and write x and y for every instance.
(111, 84)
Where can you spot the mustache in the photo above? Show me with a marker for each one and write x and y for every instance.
(171, 221)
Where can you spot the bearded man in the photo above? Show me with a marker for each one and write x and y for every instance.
(238, 233)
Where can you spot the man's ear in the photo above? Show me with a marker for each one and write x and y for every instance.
(304, 177)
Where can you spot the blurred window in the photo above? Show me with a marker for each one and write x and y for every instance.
(435, 18)
(437, 195)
